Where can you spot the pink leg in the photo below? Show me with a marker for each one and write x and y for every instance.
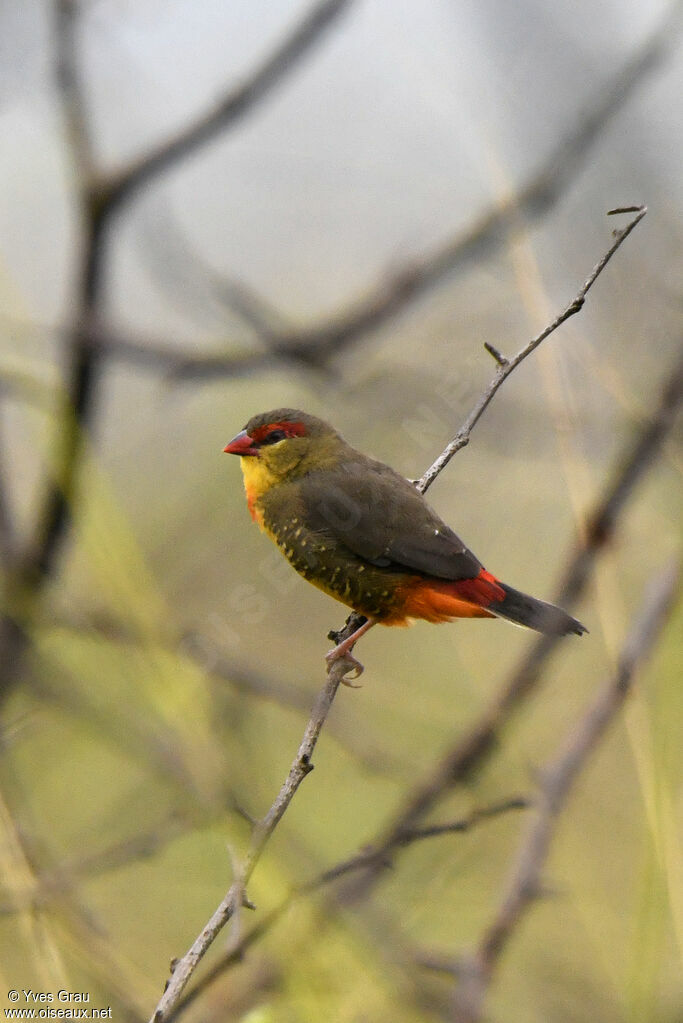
(343, 650)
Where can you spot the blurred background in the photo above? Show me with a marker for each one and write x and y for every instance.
(209, 210)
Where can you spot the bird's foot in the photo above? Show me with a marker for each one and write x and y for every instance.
(343, 650)
(342, 653)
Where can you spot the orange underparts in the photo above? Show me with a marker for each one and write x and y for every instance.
(252, 497)
(437, 600)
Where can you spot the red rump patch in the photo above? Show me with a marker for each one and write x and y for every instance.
(482, 590)
(289, 429)
(437, 600)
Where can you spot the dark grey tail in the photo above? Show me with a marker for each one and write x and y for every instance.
(535, 614)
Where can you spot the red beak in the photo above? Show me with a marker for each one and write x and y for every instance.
(242, 445)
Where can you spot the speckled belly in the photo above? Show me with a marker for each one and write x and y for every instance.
(337, 571)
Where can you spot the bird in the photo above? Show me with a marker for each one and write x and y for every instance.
(364, 534)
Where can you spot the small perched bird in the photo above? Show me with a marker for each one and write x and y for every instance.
(363, 533)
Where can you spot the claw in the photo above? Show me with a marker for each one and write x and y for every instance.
(357, 670)
(353, 665)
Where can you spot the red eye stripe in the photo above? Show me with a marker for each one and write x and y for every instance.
(289, 429)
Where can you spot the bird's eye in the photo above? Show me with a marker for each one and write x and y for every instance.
(274, 436)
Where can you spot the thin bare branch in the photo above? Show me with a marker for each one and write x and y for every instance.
(506, 367)
(66, 18)
(8, 537)
(369, 854)
(34, 562)
(557, 779)
(78, 393)
(234, 105)
(159, 356)
(434, 830)
(301, 766)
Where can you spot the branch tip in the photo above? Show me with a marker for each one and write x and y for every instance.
(492, 350)
(627, 209)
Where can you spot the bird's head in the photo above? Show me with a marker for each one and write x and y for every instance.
(283, 444)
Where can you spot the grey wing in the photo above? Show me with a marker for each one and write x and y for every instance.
(382, 518)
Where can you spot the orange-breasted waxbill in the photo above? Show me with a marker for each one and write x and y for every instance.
(363, 533)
